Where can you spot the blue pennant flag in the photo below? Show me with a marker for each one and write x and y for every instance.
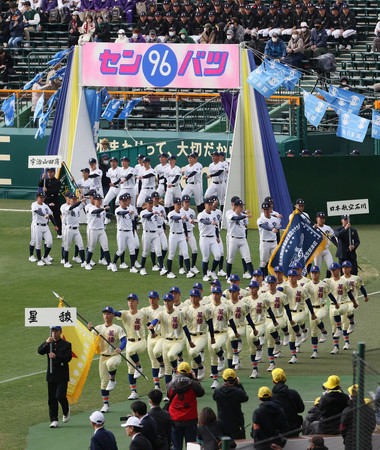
(352, 127)
(94, 101)
(39, 107)
(8, 107)
(291, 76)
(264, 82)
(375, 125)
(44, 119)
(111, 110)
(58, 57)
(53, 98)
(105, 95)
(300, 242)
(314, 108)
(328, 97)
(345, 100)
(59, 73)
(129, 107)
(30, 83)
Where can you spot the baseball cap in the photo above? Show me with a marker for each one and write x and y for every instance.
(234, 198)
(57, 327)
(133, 297)
(300, 201)
(143, 14)
(258, 273)
(51, 169)
(98, 197)
(234, 277)
(72, 195)
(91, 192)
(121, 31)
(132, 422)
(114, 159)
(40, 194)
(198, 286)
(125, 197)
(216, 290)
(292, 272)
(264, 392)
(334, 266)
(153, 294)
(146, 159)
(168, 297)
(332, 382)
(211, 13)
(108, 309)
(163, 155)
(345, 6)
(175, 289)
(265, 205)
(344, 216)
(155, 194)
(195, 293)
(183, 14)
(67, 194)
(172, 157)
(260, 8)
(346, 264)
(198, 14)
(92, 161)
(321, 214)
(296, 265)
(273, 7)
(279, 269)
(268, 199)
(353, 390)
(234, 288)
(355, 152)
(125, 158)
(157, 13)
(291, 152)
(305, 153)
(271, 279)
(253, 284)
(318, 153)
(335, 8)
(310, 5)
(315, 269)
(184, 367)
(229, 374)
(278, 375)
(209, 200)
(216, 283)
(86, 169)
(104, 155)
(148, 199)
(97, 418)
(177, 200)
(238, 202)
(304, 25)
(186, 198)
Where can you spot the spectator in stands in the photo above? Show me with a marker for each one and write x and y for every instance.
(74, 27)
(230, 38)
(305, 153)
(274, 25)
(31, 22)
(344, 83)
(257, 46)
(87, 30)
(310, 422)
(318, 41)
(220, 35)
(121, 37)
(55, 84)
(326, 19)
(376, 41)
(158, 24)
(172, 37)
(305, 34)
(6, 66)
(152, 37)
(210, 430)
(331, 405)
(238, 30)
(268, 421)
(4, 30)
(294, 50)
(275, 48)
(298, 17)
(286, 21)
(11, 11)
(208, 35)
(290, 401)
(196, 27)
(162, 417)
(143, 24)
(347, 28)
(185, 38)
(335, 22)
(229, 398)
(137, 37)
(102, 30)
(318, 153)
(228, 12)
(183, 391)
(16, 29)
(310, 15)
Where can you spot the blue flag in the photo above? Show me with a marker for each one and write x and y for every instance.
(39, 107)
(314, 108)
(129, 107)
(105, 95)
(30, 83)
(8, 107)
(346, 100)
(352, 127)
(58, 57)
(291, 76)
(264, 82)
(328, 97)
(53, 98)
(111, 110)
(59, 73)
(300, 242)
(44, 119)
(94, 101)
(375, 125)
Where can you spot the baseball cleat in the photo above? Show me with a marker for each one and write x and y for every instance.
(157, 386)
(286, 340)
(259, 355)
(62, 261)
(213, 276)
(298, 340)
(347, 346)
(161, 372)
(114, 267)
(111, 385)
(83, 264)
(314, 355)
(40, 263)
(351, 327)
(133, 270)
(221, 273)
(102, 262)
(277, 348)
(137, 374)
(123, 266)
(182, 271)
(254, 374)
(305, 335)
(335, 350)
(338, 333)
(163, 271)
(298, 348)
(143, 272)
(165, 399)
(293, 360)
(32, 258)
(67, 265)
(323, 338)
(109, 267)
(134, 396)
(105, 408)
(66, 418)
(235, 359)
(76, 259)
(206, 278)
(155, 268)
(277, 355)
(170, 275)
(88, 267)
(137, 265)
(194, 270)
(190, 275)
(46, 261)
(221, 363)
(271, 367)
(215, 384)
(247, 276)
(54, 424)
(201, 373)
(92, 263)
(59, 236)
(50, 258)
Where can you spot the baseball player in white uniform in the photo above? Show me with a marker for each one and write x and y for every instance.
(114, 174)
(325, 254)
(85, 184)
(150, 238)
(178, 238)
(191, 218)
(193, 178)
(96, 216)
(110, 358)
(138, 167)
(128, 182)
(161, 173)
(226, 168)
(209, 239)
(216, 173)
(300, 207)
(147, 176)
(268, 226)
(236, 224)
(219, 215)
(96, 176)
(41, 213)
(134, 322)
(173, 189)
(161, 222)
(126, 234)
(63, 208)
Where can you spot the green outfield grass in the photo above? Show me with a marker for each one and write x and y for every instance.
(24, 400)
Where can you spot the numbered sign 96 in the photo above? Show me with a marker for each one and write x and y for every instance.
(160, 65)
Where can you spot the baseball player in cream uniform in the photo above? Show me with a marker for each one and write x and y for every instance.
(356, 284)
(114, 174)
(161, 173)
(190, 221)
(110, 358)
(268, 226)
(173, 177)
(127, 182)
(147, 176)
(96, 176)
(193, 177)
(134, 322)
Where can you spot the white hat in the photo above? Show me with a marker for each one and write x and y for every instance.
(97, 418)
(304, 24)
(132, 422)
(121, 31)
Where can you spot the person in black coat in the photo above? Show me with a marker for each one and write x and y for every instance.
(102, 438)
(269, 422)
(290, 401)
(331, 405)
(162, 417)
(348, 242)
(149, 424)
(6, 65)
(133, 428)
(229, 398)
(59, 352)
(52, 187)
(210, 430)
(310, 422)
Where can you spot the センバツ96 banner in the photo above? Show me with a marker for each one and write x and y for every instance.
(189, 66)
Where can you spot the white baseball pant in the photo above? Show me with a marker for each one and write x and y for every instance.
(233, 245)
(171, 192)
(209, 245)
(97, 235)
(177, 240)
(151, 240)
(124, 239)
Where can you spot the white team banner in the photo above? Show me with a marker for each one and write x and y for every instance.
(349, 207)
(50, 317)
(44, 161)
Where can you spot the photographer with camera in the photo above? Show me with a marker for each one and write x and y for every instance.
(229, 398)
